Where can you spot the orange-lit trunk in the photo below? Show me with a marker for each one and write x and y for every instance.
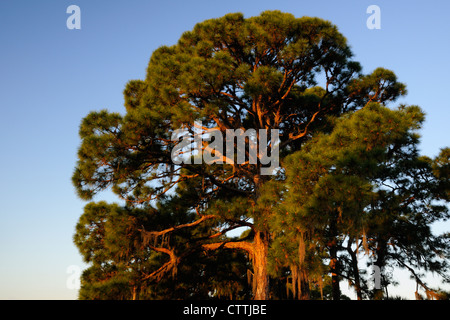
(260, 275)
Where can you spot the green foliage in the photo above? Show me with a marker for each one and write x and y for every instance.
(381, 86)
(351, 172)
(365, 180)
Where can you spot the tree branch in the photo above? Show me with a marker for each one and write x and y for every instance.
(241, 245)
(154, 234)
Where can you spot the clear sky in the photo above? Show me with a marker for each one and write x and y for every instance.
(51, 77)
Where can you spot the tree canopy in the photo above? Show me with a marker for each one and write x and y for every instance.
(350, 174)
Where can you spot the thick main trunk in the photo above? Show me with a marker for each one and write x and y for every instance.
(258, 251)
(260, 275)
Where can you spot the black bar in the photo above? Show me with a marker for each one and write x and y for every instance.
(209, 309)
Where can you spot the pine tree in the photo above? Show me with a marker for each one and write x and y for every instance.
(364, 186)
(231, 73)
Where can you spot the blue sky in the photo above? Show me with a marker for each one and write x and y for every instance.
(51, 77)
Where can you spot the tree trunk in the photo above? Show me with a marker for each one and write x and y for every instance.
(260, 275)
(334, 263)
(354, 263)
(303, 285)
(334, 269)
(258, 251)
(357, 280)
(134, 293)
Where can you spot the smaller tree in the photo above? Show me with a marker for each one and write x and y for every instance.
(411, 197)
(342, 186)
